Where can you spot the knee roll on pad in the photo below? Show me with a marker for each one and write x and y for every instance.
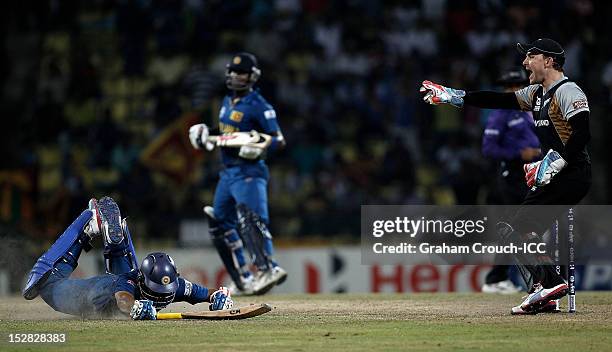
(231, 250)
(232, 240)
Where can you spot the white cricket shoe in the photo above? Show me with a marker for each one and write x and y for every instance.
(248, 287)
(265, 281)
(92, 228)
(279, 275)
(505, 287)
(539, 298)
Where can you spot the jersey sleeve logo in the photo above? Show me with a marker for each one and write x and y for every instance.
(580, 104)
(270, 114)
(236, 116)
(188, 288)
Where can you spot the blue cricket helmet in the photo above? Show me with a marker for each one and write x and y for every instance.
(158, 279)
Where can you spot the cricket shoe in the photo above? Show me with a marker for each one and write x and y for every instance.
(266, 280)
(505, 287)
(91, 230)
(550, 307)
(279, 275)
(247, 287)
(539, 298)
(110, 217)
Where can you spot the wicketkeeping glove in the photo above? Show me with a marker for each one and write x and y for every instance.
(541, 172)
(436, 94)
(143, 310)
(221, 299)
(198, 135)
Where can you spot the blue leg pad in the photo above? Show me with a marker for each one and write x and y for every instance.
(234, 244)
(257, 237)
(230, 249)
(72, 236)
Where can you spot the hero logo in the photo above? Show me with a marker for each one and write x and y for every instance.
(541, 123)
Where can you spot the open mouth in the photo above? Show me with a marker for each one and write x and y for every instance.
(531, 75)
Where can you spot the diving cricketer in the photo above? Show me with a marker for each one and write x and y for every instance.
(125, 288)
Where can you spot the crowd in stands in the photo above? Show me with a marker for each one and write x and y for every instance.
(90, 85)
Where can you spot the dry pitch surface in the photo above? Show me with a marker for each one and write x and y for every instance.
(422, 322)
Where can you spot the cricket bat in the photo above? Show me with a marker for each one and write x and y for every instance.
(239, 139)
(250, 311)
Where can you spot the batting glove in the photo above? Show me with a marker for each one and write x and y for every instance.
(436, 94)
(541, 172)
(198, 135)
(221, 299)
(251, 153)
(143, 310)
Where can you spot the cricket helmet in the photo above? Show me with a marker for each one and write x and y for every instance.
(239, 64)
(158, 279)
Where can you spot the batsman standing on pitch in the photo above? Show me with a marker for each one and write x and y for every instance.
(509, 139)
(126, 288)
(240, 207)
(563, 177)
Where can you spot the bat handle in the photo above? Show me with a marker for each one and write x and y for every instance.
(165, 316)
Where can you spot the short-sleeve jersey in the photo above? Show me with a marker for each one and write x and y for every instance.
(552, 111)
(251, 112)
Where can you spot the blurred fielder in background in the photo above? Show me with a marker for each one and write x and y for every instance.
(509, 139)
(562, 177)
(240, 208)
(126, 288)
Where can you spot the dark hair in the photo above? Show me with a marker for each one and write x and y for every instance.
(556, 64)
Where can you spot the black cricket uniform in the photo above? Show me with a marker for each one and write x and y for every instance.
(561, 118)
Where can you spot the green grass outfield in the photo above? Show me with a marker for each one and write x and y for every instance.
(421, 322)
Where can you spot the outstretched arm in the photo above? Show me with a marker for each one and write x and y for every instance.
(137, 309)
(193, 293)
(492, 100)
(125, 301)
(436, 94)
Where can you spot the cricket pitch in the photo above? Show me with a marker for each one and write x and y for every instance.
(351, 322)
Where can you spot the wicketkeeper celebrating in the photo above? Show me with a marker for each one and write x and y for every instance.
(563, 177)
